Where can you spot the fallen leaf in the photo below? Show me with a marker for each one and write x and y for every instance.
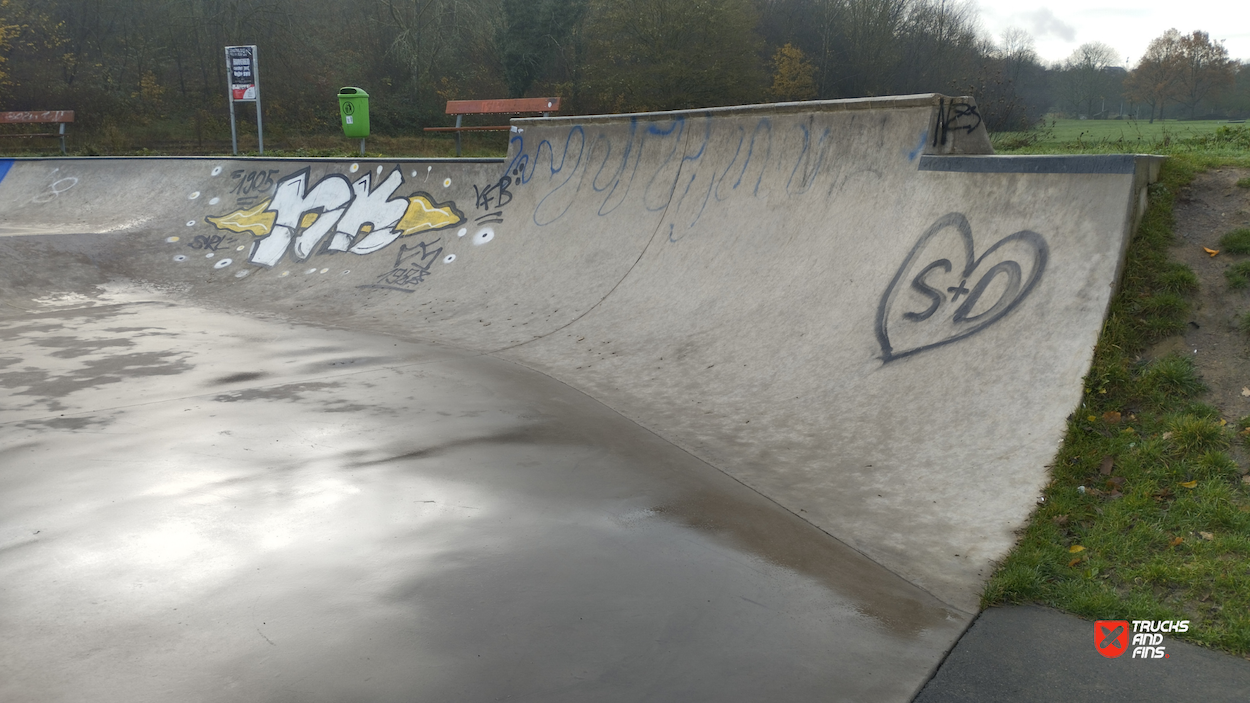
(1176, 541)
(1092, 418)
(1111, 417)
(1189, 484)
(1115, 482)
(1074, 562)
(1127, 430)
(1245, 479)
(1223, 422)
(1245, 391)
(1207, 536)
(1108, 462)
(1166, 435)
(1212, 252)
(1062, 520)
(1075, 548)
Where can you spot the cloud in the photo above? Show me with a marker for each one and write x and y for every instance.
(1045, 24)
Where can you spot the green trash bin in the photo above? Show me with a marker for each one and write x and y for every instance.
(354, 110)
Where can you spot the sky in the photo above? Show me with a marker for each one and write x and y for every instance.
(1060, 26)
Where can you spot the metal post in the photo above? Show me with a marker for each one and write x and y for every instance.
(362, 146)
(260, 129)
(458, 118)
(63, 153)
(234, 134)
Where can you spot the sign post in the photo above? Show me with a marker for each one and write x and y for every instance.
(243, 68)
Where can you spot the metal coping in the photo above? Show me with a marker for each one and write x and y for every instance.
(883, 103)
(1081, 163)
(301, 159)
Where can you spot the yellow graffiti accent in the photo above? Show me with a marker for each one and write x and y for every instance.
(422, 215)
(307, 220)
(366, 228)
(255, 220)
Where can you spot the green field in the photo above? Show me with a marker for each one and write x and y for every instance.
(1124, 134)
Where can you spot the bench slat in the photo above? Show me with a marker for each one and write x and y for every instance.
(491, 128)
(35, 117)
(485, 107)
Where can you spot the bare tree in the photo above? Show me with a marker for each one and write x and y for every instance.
(1017, 50)
(1086, 79)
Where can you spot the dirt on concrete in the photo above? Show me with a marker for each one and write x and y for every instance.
(1210, 207)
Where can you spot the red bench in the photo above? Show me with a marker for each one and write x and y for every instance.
(512, 106)
(61, 117)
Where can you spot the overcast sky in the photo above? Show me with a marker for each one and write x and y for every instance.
(1059, 26)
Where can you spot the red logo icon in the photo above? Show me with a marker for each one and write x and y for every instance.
(1111, 637)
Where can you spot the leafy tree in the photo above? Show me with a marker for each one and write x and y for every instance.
(531, 37)
(1205, 69)
(9, 29)
(666, 55)
(1156, 79)
(793, 75)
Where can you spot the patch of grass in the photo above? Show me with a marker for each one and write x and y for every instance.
(1238, 275)
(1178, 278)
(1243, 322)
(1244, 183)
(1166, 533)
(1237, 241)
(1192, 434)
(1170, 378)
(1200, 138)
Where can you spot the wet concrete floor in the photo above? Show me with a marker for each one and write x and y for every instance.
(202, 506)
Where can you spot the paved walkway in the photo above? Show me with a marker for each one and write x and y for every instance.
(1029, 654)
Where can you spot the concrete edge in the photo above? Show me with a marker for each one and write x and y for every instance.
(844, 105)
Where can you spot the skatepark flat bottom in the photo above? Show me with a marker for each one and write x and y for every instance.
(202, 506)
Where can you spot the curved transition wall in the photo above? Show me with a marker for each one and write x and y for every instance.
(848, 306)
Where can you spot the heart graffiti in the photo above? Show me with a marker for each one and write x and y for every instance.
(918, 311)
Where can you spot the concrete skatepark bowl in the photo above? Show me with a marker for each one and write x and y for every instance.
(731, 404)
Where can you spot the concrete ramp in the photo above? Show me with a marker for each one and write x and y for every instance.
(850, 307)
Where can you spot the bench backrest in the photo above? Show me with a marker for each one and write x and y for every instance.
(29, 117)
(507, 106)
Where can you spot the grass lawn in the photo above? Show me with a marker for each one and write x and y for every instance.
(278, 144)
(1128, 135)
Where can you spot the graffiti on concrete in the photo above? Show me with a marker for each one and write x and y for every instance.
(212, 242)
(250, 186)
(680, 167)
(412, 265)
(955, 116)
(943, 292)
(56, 187)
(334, 214)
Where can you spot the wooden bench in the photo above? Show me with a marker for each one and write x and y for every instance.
(513, 106)
(45, 117)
